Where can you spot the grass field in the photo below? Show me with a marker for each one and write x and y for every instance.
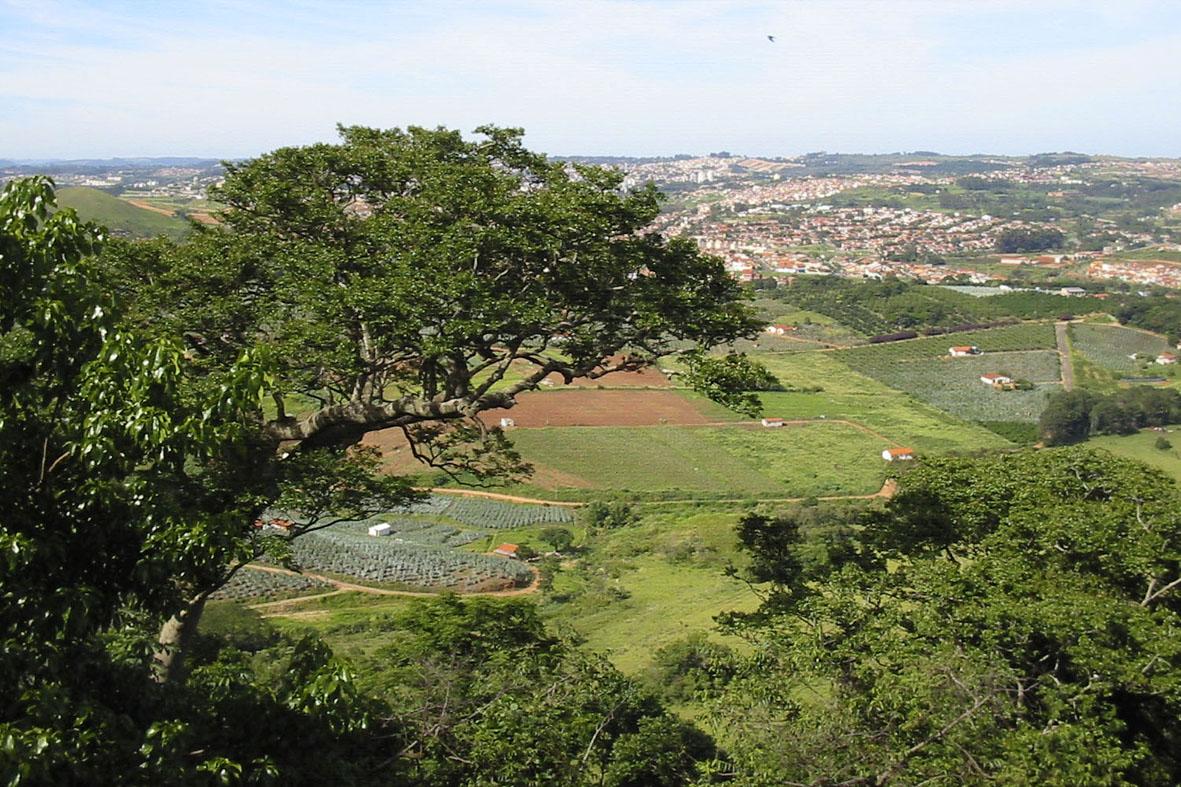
(665, 461)
(118, 215)
(899, 417)
(1141, 446)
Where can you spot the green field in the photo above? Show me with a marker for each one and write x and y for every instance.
(119, 216)
(668, 461)
(651, 583)
(1111, 347)
(923, 368)
(1141, 446)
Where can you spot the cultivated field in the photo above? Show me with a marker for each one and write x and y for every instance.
(923, 368)
(1110, 346)
(741, 460)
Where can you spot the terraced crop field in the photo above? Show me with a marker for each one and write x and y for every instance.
(1110, 346)
(347, 550)
(251, 584)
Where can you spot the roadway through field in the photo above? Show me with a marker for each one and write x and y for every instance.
(1063, 338)
(887, 491)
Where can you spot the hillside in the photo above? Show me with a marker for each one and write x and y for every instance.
(119, 216)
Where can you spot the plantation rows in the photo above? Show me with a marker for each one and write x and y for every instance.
(492, 514)
(1111, 346)
(1025, 336)
(251, 584)
(344, 552)
(953, 384)
(421, 532)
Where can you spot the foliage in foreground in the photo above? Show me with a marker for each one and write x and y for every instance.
(1011, 619)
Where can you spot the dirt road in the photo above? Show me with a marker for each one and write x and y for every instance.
(1063, 337)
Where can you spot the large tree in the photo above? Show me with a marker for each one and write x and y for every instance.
(413, 279)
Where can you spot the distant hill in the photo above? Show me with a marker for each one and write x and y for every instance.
(119, 216)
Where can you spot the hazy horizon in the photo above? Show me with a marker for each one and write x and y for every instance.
(234, 79)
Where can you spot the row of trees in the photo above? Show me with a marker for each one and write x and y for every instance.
(1072, 416)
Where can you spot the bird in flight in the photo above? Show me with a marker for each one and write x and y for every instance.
(771, 39)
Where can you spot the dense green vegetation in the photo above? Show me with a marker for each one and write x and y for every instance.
(1075, 415)
(879, 307)
(1011, 619)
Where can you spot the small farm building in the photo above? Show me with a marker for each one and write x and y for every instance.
(505, 423)
(993, 379)
(380, 530)
(506, 550)
(1166, 359)
(963, 350)
(772, 422)
(898, 454)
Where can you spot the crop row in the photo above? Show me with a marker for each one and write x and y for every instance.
(495, 514)
(953, 384)
(251, 584)
(1110, 346)
(345, 551)
(1025, 336)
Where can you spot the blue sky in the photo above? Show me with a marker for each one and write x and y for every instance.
(235, 78)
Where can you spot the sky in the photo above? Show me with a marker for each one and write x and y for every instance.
(234, 78)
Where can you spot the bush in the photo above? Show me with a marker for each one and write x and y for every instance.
(1162, 443)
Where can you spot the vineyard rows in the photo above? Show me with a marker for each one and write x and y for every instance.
(923, 369)
(1026, 336)
(346, 550)
(1111, 346)
(492, 514)
(250, 584)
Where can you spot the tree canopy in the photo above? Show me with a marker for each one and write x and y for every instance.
(1010, 619)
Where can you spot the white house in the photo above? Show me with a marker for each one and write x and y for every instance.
(772, 422)
(993, 379)
(898, 454)
(963, 350)
(380, 530)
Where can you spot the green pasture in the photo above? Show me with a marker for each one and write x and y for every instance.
(669, 461)
(119, 216)
(1142, 447)
(902, 419)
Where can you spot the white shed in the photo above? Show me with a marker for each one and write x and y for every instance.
(505, 423)
(380, 530)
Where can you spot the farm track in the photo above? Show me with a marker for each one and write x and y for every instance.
(887, 491)
(1063, 339)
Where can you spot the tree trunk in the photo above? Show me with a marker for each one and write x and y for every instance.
(176, 637)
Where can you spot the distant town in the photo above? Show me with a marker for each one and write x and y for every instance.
(1049, 220)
